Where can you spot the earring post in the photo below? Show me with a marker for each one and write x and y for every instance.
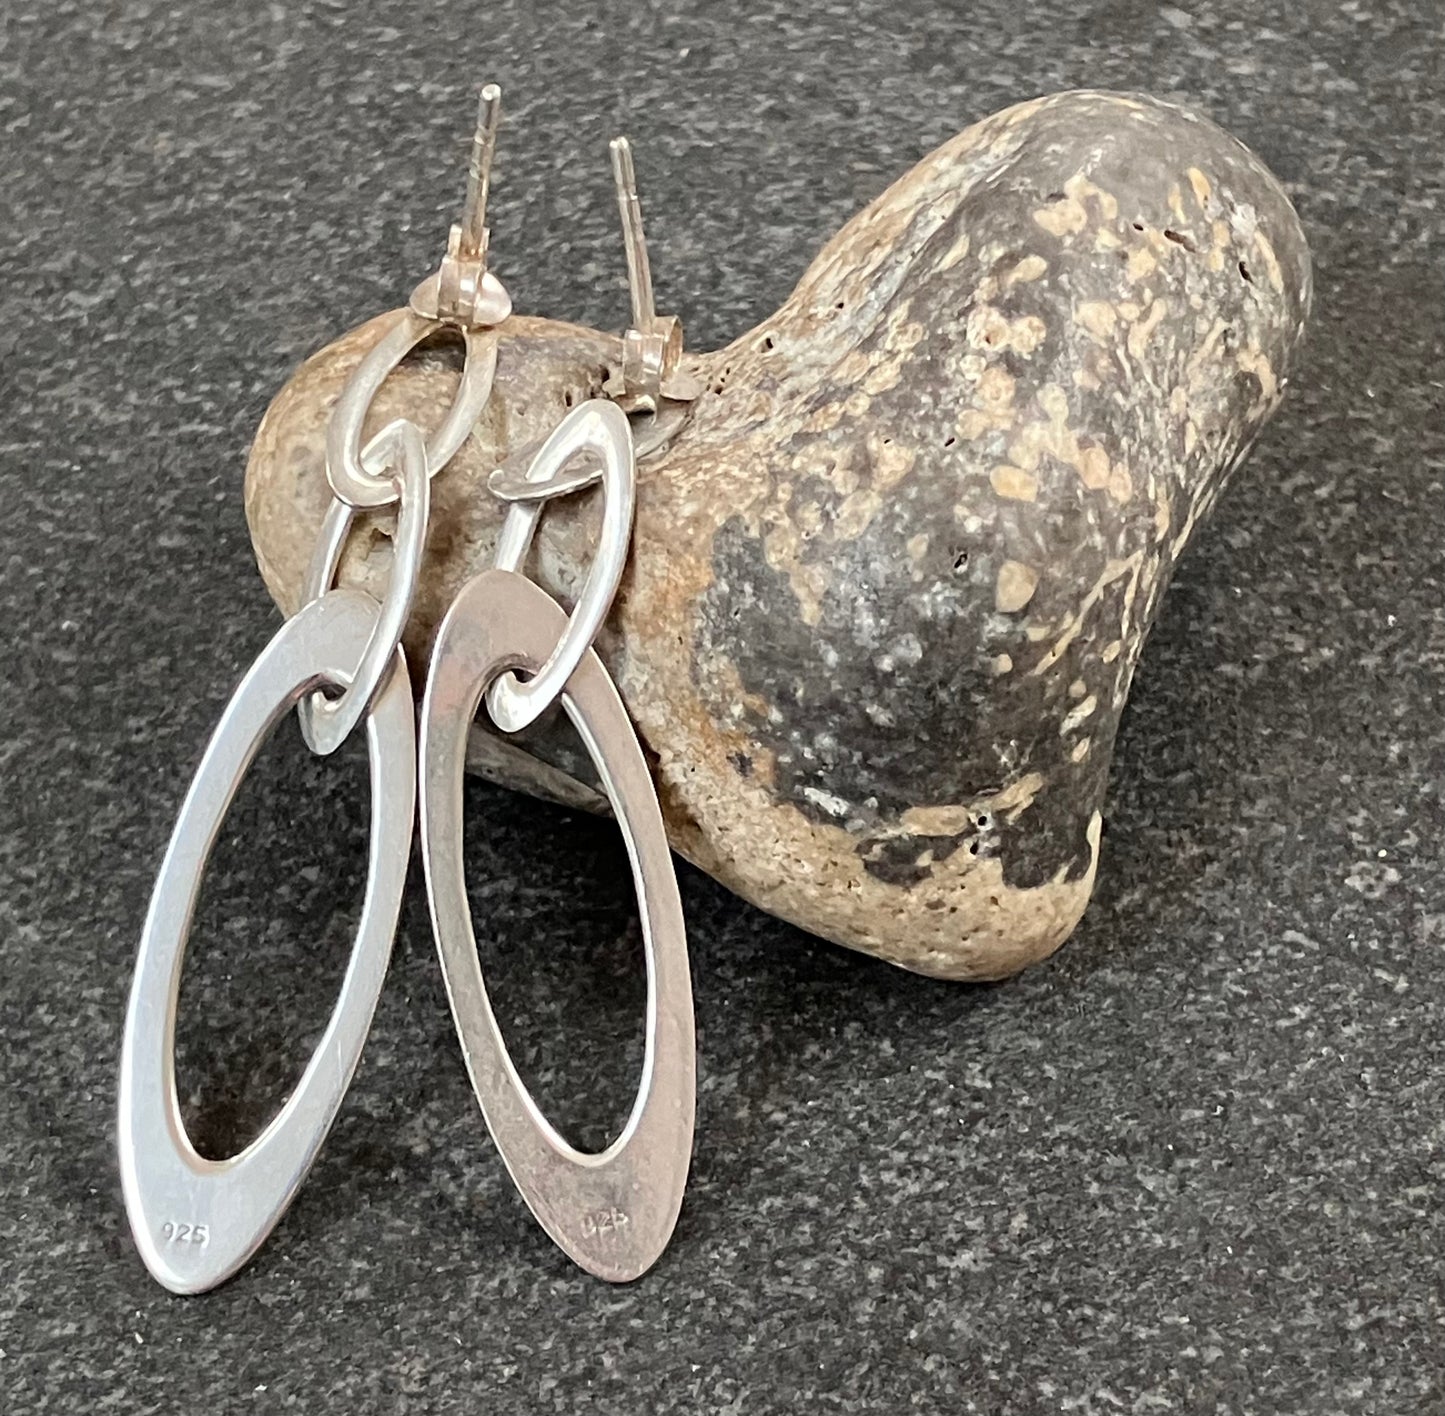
(629, 206)
(462, 291)
(479, 172)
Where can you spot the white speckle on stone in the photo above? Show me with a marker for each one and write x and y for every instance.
(865, 624)
(1077, 716)
(833, 805)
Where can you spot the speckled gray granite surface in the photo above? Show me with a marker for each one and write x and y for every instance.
(1193, 1164)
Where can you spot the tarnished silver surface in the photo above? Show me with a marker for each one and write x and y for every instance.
(598, 429)
(358, 475)
(614, 1211)
(197, 1221)
(327, 722)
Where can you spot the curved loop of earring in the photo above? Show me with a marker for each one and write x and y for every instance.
(461, 294)
(512, 481)
(358, 475)
(612, 1212)
(327, 722)
(597, 430)
(197, 1221)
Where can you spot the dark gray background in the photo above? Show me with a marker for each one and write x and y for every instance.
(1194, 1163)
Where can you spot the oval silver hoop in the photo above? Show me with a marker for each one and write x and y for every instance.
(612, 1212)
(598, 427)
(197, 1221)
(327, 722)
(350, 469)
(511, 481)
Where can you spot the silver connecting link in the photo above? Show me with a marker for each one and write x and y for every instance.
(326, 722)
(595, 433)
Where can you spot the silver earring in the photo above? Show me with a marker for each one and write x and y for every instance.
(339, 662)
(612, 1212)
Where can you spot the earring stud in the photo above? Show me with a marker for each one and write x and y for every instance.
(652, 345)
(462, 291)
(649, 379)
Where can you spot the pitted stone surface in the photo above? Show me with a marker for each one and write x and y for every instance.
(890, 585)
(1190, 1164)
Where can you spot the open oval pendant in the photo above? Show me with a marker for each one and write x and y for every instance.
(613, 1212)
(197, 1221)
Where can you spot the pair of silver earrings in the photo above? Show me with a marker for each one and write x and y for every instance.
(339, 663)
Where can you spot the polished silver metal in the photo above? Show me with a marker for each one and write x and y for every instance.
(511, 481)
(612, 1212)
(197, 1221)
(462, 294)
(327, 722)
(363, 478)
(599, 430)
(484, 300)
(654, 433)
